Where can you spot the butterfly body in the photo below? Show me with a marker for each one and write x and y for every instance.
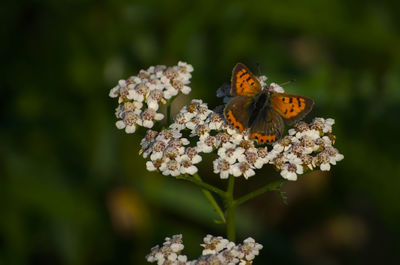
(261, 110)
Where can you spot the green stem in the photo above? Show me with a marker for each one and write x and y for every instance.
(230, 210)
(204, 185)
(212, 200)
(273, 186)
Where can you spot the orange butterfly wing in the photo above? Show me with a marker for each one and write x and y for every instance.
(236, 114)
(267, 127)
(243, 81)
(291, 107)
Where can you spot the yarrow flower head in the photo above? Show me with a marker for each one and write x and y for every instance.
(139, 97)
(308, 146)
(217, 250)
(197, 130)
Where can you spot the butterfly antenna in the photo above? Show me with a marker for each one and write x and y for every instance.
(288, 82)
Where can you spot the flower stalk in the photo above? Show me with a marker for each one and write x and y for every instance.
(212, 200)
(197, 180)
(273, 186)
(230, 210)
(229, 201)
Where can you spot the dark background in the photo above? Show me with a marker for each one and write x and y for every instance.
(73, 189)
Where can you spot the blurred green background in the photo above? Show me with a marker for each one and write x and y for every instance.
(74, 189)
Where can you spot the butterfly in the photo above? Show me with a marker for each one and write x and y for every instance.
(262, 111)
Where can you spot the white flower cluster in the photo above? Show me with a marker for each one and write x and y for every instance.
(169, 154)
(306, 147)
(139, 96)
(217, 250)
(169, 252)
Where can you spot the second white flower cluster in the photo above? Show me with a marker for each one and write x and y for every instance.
(217, 250)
